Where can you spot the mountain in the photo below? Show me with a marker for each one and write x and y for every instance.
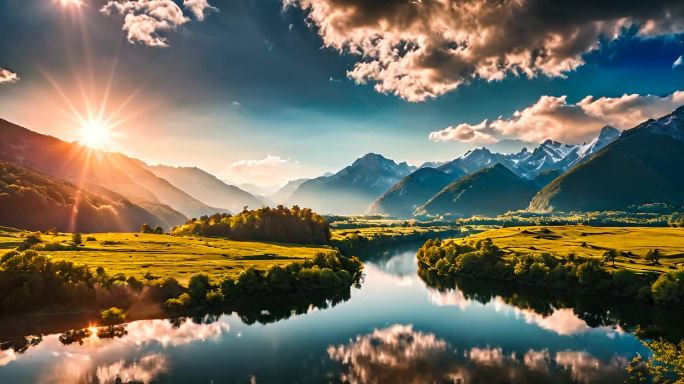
(475, 160)
(543, 179)
(34, 201)
(412, 191)
(283, 194)
(352, 189)
(642, 166)
(489, 192)
(83, 166)
(206, 187)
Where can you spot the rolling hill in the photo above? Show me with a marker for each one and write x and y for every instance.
(352, 189)
(643, 166)
(34, 201)
(489, 192)
(207, 187)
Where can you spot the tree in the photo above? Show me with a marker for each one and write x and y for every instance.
(198, 287)
(145, 228)
(610, 255)
(159, 230)
(77, 239)
(112, 316)
(653, 256)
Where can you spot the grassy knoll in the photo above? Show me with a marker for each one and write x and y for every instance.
(579, 259)
(136, 254)
(632, 243)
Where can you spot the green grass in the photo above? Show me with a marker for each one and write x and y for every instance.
(390, 231)
(136, 254)
(631, 242)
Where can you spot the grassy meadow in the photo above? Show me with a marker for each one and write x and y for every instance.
(632, 243)
(136, 254)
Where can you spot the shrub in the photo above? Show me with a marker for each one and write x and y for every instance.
(178, 303)
(669, 288)
(145, 228)
(198, 287)
(77, 239)
(214, 298)
(112, 316)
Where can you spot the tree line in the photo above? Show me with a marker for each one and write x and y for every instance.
(573, 273)
(280, 224)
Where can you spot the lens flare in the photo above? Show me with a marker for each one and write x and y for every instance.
(95, 134)
(67, 3)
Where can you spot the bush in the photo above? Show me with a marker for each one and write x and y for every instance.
(198, 287)
(77, 239)
(669, 288)
(178, 303)
(214, 298)
(112, 316)
(145, 228)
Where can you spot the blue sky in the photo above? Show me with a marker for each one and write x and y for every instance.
(254, 79)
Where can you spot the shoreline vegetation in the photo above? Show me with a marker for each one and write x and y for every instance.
(220, 272)
(610, 261)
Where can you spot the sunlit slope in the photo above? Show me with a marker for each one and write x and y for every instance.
(136, 254)
(31, 200)
(632, 243)
(86, 167)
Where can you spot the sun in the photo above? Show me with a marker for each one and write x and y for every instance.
(67, 3)
(95, 134)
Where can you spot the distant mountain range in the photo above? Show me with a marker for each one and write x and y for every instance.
(31, 200)
(352, 189)
(103, 174)
(207, 187)
(615, 171)
(644, 166)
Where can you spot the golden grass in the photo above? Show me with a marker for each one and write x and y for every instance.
(136, 254)
(631, 242)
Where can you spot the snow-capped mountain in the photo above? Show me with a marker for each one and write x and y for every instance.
(548, 156)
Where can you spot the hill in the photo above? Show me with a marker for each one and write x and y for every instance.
(282, 195)
(413, 191)
(352, 189)
(206, 187)
(642, 167)
(489, 192)
(34, 201)
(84, 166)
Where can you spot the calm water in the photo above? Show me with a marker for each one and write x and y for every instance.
(394, 329)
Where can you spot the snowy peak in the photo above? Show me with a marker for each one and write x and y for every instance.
(608, 133)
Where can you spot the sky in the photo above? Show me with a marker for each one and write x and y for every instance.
(264, 91)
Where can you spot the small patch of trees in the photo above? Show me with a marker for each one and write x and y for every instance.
(653, 256)
(326, 271)
(280, 224)
(586, 275)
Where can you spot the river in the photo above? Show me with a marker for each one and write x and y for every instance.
(393, 329)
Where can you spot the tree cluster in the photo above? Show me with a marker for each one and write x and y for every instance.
(280, 224)
(577, 274)
(326, 271)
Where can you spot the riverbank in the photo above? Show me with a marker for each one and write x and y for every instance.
(640, 263)
(154, 274)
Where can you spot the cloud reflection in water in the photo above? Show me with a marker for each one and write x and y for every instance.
(400, 354)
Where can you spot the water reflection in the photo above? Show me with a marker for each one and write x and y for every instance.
(401, 354)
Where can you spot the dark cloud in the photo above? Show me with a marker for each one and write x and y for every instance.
(424, 48)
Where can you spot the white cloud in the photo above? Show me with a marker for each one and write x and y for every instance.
(554, 118)
(145, 21)
(8, 77)
(268, 171)
(464, 132)
(678, 62)
(199, 8)
(422, 49)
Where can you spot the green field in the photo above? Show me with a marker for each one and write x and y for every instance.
(135, 254)
(632, 243)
